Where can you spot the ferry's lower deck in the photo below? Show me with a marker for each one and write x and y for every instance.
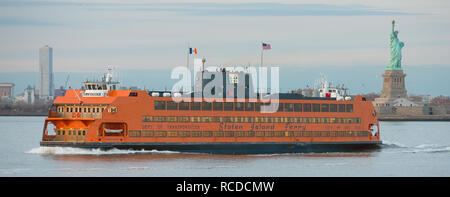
(230, 147)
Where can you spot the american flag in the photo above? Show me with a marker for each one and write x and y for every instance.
(266, 46)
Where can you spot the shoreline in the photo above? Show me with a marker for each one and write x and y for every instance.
(415, 118)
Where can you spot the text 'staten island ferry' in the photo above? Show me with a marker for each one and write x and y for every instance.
(102, 116)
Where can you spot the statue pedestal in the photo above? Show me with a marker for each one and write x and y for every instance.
(393, 84)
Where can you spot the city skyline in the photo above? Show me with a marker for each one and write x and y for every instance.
(308, 36)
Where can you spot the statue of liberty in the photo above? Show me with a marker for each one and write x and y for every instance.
(395, 63)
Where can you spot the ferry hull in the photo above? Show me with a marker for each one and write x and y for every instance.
(232, 148)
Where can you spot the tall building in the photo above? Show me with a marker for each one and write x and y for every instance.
(6, 90)
(29, 95)
(46, 86)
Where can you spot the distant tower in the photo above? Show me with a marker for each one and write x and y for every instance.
(46, 86)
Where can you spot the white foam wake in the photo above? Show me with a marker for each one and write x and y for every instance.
(393, 144)
(82, 151)
(432, 148)
(422, 148)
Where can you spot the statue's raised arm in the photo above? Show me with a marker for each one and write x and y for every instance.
(393, 24)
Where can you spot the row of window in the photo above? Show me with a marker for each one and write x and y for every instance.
(70, 132)
(252, 106)
(248, 119)
(83, 109)
(144, 133)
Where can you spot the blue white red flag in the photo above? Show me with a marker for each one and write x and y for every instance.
(192, 50)
(266, 46)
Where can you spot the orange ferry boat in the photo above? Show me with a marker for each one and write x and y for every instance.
(101, 116)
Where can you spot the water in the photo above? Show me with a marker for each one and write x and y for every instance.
(409, 149)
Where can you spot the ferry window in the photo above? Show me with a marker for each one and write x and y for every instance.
(160, 105)
(227, 106)
(260, 134)
(332, 120)
(206, 106)
(341, 107)
(184, 106)
(239, 106)
(256, 119)
(316, 107)
(237, 119)
(159, 119)
(89, 110)
(280, 107)
(307, 120)
(297, 107)
(333, 107)
(196, 134)
(349, 108)
(98, 109)
(227, 119)
(325, 108)
(171, 118)
(257, 107)
(84, 109)
(249, 107)
(146, 118)
(218, 134)
(307, 107)
(288, 107)
(206, 119)
(183, 119)
(131, 93)
(76, 109)
(195, 106)
(217, 106)
(79, 132)
(229, 134)
(207, 133)
(196, 119)
(84, 132)
(171, 105)
(248, 119)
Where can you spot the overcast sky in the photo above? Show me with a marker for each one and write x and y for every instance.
(154, 34)
(87, 36)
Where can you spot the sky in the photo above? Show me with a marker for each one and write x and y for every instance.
(342, 39)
